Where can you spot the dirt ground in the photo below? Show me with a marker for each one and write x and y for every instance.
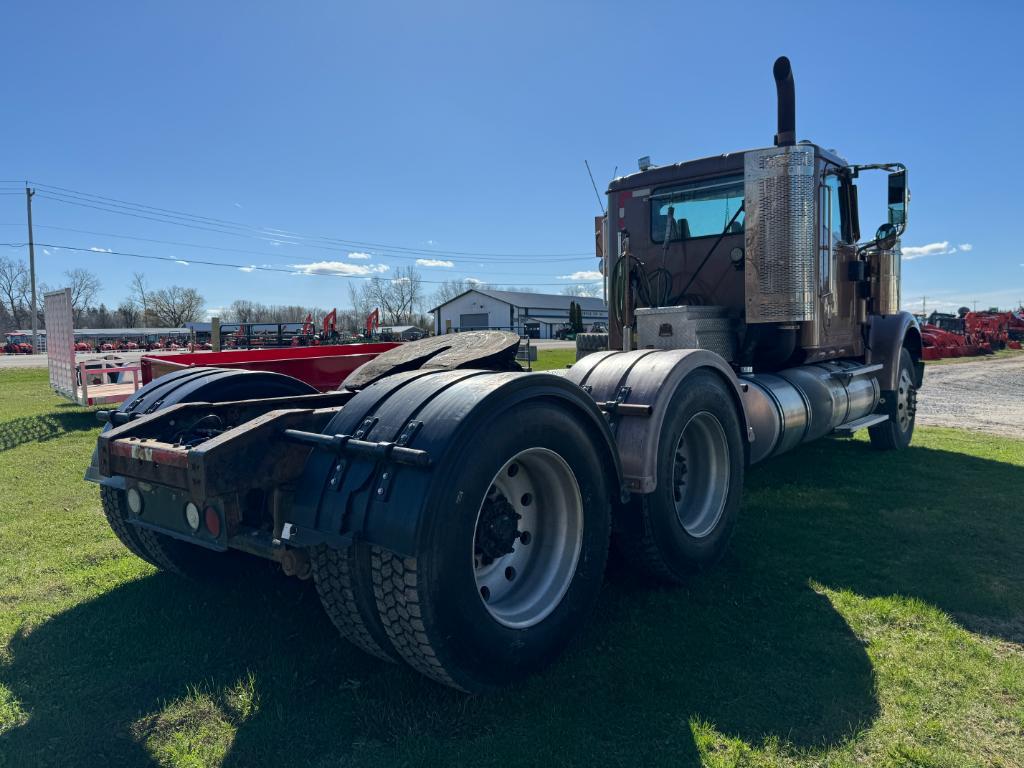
(985, 395)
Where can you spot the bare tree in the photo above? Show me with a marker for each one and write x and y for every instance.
(173, 307)
(130, 313)
(84, 286)
(242, 311)
(582, 289)
(14, 288)
(398, 298)
(139, 292)
(362, 302)
(449, 289)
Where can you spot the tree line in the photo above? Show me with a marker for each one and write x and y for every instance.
(169, 307)
(401, 300)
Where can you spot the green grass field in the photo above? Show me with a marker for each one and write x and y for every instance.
(870, 613)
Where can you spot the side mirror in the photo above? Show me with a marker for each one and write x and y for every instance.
(886, 236)
(899, 200)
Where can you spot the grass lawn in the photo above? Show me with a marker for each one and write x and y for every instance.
(550, 359)
(870, 612)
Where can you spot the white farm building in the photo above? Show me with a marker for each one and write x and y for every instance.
(538, 315)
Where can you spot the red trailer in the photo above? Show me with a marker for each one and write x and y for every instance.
(321, 367)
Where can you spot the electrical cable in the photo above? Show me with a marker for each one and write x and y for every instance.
(244, 267)
(114, 205)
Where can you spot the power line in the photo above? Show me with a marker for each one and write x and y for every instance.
(114, 205)
(320, 246)
(265, 254)
(254, 268)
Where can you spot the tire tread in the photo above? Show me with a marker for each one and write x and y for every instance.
(332, 574)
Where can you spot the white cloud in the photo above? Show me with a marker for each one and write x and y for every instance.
(250, 268)
(474, 281)
(179, 261)
(238, 205)
(212, 312)
(359, 255)
(582, 275)
(932, 249)
(97, 249)
(434, 263)
(966, 247)
(46, 252)
(339, 268)
(400, 280)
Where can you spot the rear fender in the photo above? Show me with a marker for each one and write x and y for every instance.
(341, 498)
(650, 378)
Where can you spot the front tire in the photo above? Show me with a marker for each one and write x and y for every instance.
(510, 557)
(686, 523)
(901, 406)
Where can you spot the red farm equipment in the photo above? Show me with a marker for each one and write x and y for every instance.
(999, 329)
(938, 343)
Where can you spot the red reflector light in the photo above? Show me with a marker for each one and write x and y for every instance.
(212, 521)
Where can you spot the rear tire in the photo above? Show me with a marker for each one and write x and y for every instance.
(480, 605)
(345, 586)
(179, 557)
(901, 406)
(686, 523)
(586, 343)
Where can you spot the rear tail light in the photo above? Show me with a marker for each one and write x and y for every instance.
(212, 522)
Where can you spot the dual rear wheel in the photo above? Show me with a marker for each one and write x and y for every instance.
(513, 546)
(509, 561)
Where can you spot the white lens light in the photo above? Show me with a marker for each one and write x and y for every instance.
(192, 516)
(135, 501)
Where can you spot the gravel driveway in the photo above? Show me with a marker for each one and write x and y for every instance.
(985, 395)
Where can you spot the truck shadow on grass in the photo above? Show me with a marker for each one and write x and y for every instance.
(751, 647)
(36, 429)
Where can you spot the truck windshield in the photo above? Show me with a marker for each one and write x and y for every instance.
(699, 209)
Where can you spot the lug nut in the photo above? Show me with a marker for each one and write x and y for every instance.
(510, 573)
(527, 500)
(524, 537)
(513, 470)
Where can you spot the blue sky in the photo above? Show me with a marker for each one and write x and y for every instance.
(462, 127)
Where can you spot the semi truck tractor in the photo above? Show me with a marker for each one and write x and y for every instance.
(456, 512)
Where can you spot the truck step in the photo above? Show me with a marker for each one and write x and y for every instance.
(849, 373)
(865, 421)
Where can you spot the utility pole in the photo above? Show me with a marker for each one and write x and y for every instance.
(32, 269)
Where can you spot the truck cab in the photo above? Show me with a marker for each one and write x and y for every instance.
(769, 236)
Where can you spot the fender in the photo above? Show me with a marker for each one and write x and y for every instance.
(341, 498)
(648, 377)
(886, 336)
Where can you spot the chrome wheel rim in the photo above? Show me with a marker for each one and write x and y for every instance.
(700, 474)
(527, 538)
(906, 401)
